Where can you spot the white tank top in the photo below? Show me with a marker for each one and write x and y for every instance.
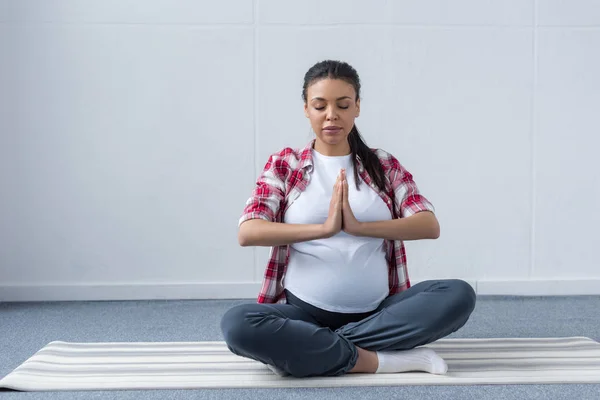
(344, 273)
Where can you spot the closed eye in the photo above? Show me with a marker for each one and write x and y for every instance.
(322, 108)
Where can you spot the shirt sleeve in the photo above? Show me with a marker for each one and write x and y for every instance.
(268, 194)
(408, 198)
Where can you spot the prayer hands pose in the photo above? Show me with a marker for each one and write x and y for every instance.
(340, 215)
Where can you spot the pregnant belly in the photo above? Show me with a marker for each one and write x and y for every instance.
(350, 280)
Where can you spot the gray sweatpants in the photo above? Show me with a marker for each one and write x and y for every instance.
(304, 341)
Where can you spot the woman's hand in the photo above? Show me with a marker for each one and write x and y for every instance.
(333, 224)
(350, 224)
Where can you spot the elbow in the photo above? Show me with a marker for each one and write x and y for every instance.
(435, 230)
(243, 239)
(244, 234)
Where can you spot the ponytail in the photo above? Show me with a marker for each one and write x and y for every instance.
(369, 160)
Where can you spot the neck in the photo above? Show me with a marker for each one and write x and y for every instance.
(332, 150)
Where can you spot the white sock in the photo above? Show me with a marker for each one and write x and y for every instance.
(419, 359)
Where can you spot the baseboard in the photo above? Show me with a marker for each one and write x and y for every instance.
(249, 290)
(554, 287)
(129, 291)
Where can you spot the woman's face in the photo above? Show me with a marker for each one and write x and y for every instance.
(331, 107)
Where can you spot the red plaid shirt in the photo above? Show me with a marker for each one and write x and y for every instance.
(287, 174)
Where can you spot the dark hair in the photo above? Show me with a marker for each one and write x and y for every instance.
(343, 71)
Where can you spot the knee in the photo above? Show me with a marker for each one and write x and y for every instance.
(235, 327)
(464, 296)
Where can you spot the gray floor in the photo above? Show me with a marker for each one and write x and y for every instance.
(27, 327)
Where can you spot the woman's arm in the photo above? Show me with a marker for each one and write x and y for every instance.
(422, 225)
(258, 228)
(419, 223)
(417, 220)
(260, 232)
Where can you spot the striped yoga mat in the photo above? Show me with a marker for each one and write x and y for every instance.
(189, 365)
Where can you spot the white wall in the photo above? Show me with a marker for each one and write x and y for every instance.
(117, 118)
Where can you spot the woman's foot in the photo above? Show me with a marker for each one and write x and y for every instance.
(418, 359)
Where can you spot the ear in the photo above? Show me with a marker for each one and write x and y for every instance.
(357, 108)
(306, 110)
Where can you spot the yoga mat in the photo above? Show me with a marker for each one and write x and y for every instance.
(190, 365)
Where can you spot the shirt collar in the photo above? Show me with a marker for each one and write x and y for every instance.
(307, 158)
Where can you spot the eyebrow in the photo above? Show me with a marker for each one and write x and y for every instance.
(339, 98)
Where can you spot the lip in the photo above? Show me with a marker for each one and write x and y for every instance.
(332, 129)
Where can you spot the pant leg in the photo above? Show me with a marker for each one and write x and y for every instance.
(420, 315)
(287, 337)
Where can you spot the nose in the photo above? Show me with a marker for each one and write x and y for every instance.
(331, 114)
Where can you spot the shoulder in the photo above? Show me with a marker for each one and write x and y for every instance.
(288, 157)
(388, 161)
(285, 161)
(392, 168)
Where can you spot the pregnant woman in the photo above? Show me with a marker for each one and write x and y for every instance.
(336, 297)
